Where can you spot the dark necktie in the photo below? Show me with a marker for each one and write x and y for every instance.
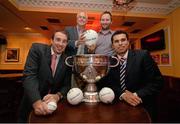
(122, 74)
(53, 63)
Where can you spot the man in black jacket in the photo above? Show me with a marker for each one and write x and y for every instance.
(140, 81)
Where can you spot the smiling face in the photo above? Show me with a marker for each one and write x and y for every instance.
(82, 18)
(105, 21)
(120, 44)
(59, 42)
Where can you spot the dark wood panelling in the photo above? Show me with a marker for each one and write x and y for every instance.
(169, 101)
(10, 93)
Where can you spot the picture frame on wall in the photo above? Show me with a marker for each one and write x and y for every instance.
(12, 55)
(165, 58)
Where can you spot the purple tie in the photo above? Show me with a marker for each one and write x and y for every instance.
(53, 63)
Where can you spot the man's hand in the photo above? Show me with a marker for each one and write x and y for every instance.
(91, 48)
(131, 98)
(81, 40)
(51, 98)
(40, 108)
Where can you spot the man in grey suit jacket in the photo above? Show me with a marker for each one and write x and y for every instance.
(76, 43)
(40, 84)
(143, 80)
(75, 34)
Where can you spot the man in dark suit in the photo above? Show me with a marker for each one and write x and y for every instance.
(141, 80)
(42, 83)
(76, 42)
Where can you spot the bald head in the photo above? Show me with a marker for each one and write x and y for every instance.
(82, 18)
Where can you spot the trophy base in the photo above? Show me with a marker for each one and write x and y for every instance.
(91, 97)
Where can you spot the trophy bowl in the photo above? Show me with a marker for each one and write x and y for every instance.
(91, 68)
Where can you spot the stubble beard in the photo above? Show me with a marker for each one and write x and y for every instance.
(106, 28)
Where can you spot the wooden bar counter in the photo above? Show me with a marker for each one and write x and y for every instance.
(13, 75)
(84, 113)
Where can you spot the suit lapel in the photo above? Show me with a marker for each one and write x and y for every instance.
(115, 70)
(48, 58)
(130, 61)
(76, 35)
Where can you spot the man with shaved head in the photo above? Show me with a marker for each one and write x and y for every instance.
(76, 44)
(75, 34)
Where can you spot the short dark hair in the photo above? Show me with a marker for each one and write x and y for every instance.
(62, 31)
(119, 32)
(107, 12)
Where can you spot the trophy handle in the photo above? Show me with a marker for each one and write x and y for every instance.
(113, 57)
(66, 61)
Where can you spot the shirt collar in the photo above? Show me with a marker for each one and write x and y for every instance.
(52, 52)
(105, 31)
(78, 29)
(125, 55)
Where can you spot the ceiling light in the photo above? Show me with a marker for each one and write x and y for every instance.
(27, 28)
(122, 2)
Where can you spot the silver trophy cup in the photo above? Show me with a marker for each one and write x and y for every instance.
(91, 68)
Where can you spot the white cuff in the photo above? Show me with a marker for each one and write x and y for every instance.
(121, 96)
(135, 94)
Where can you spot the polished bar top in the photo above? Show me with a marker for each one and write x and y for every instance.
(83, 113)
(12, 75)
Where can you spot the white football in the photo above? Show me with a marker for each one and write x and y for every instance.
(52, 106)
(91, 37)
(75, 96)
(106, 95)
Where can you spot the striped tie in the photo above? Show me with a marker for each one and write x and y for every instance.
(122, 74)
